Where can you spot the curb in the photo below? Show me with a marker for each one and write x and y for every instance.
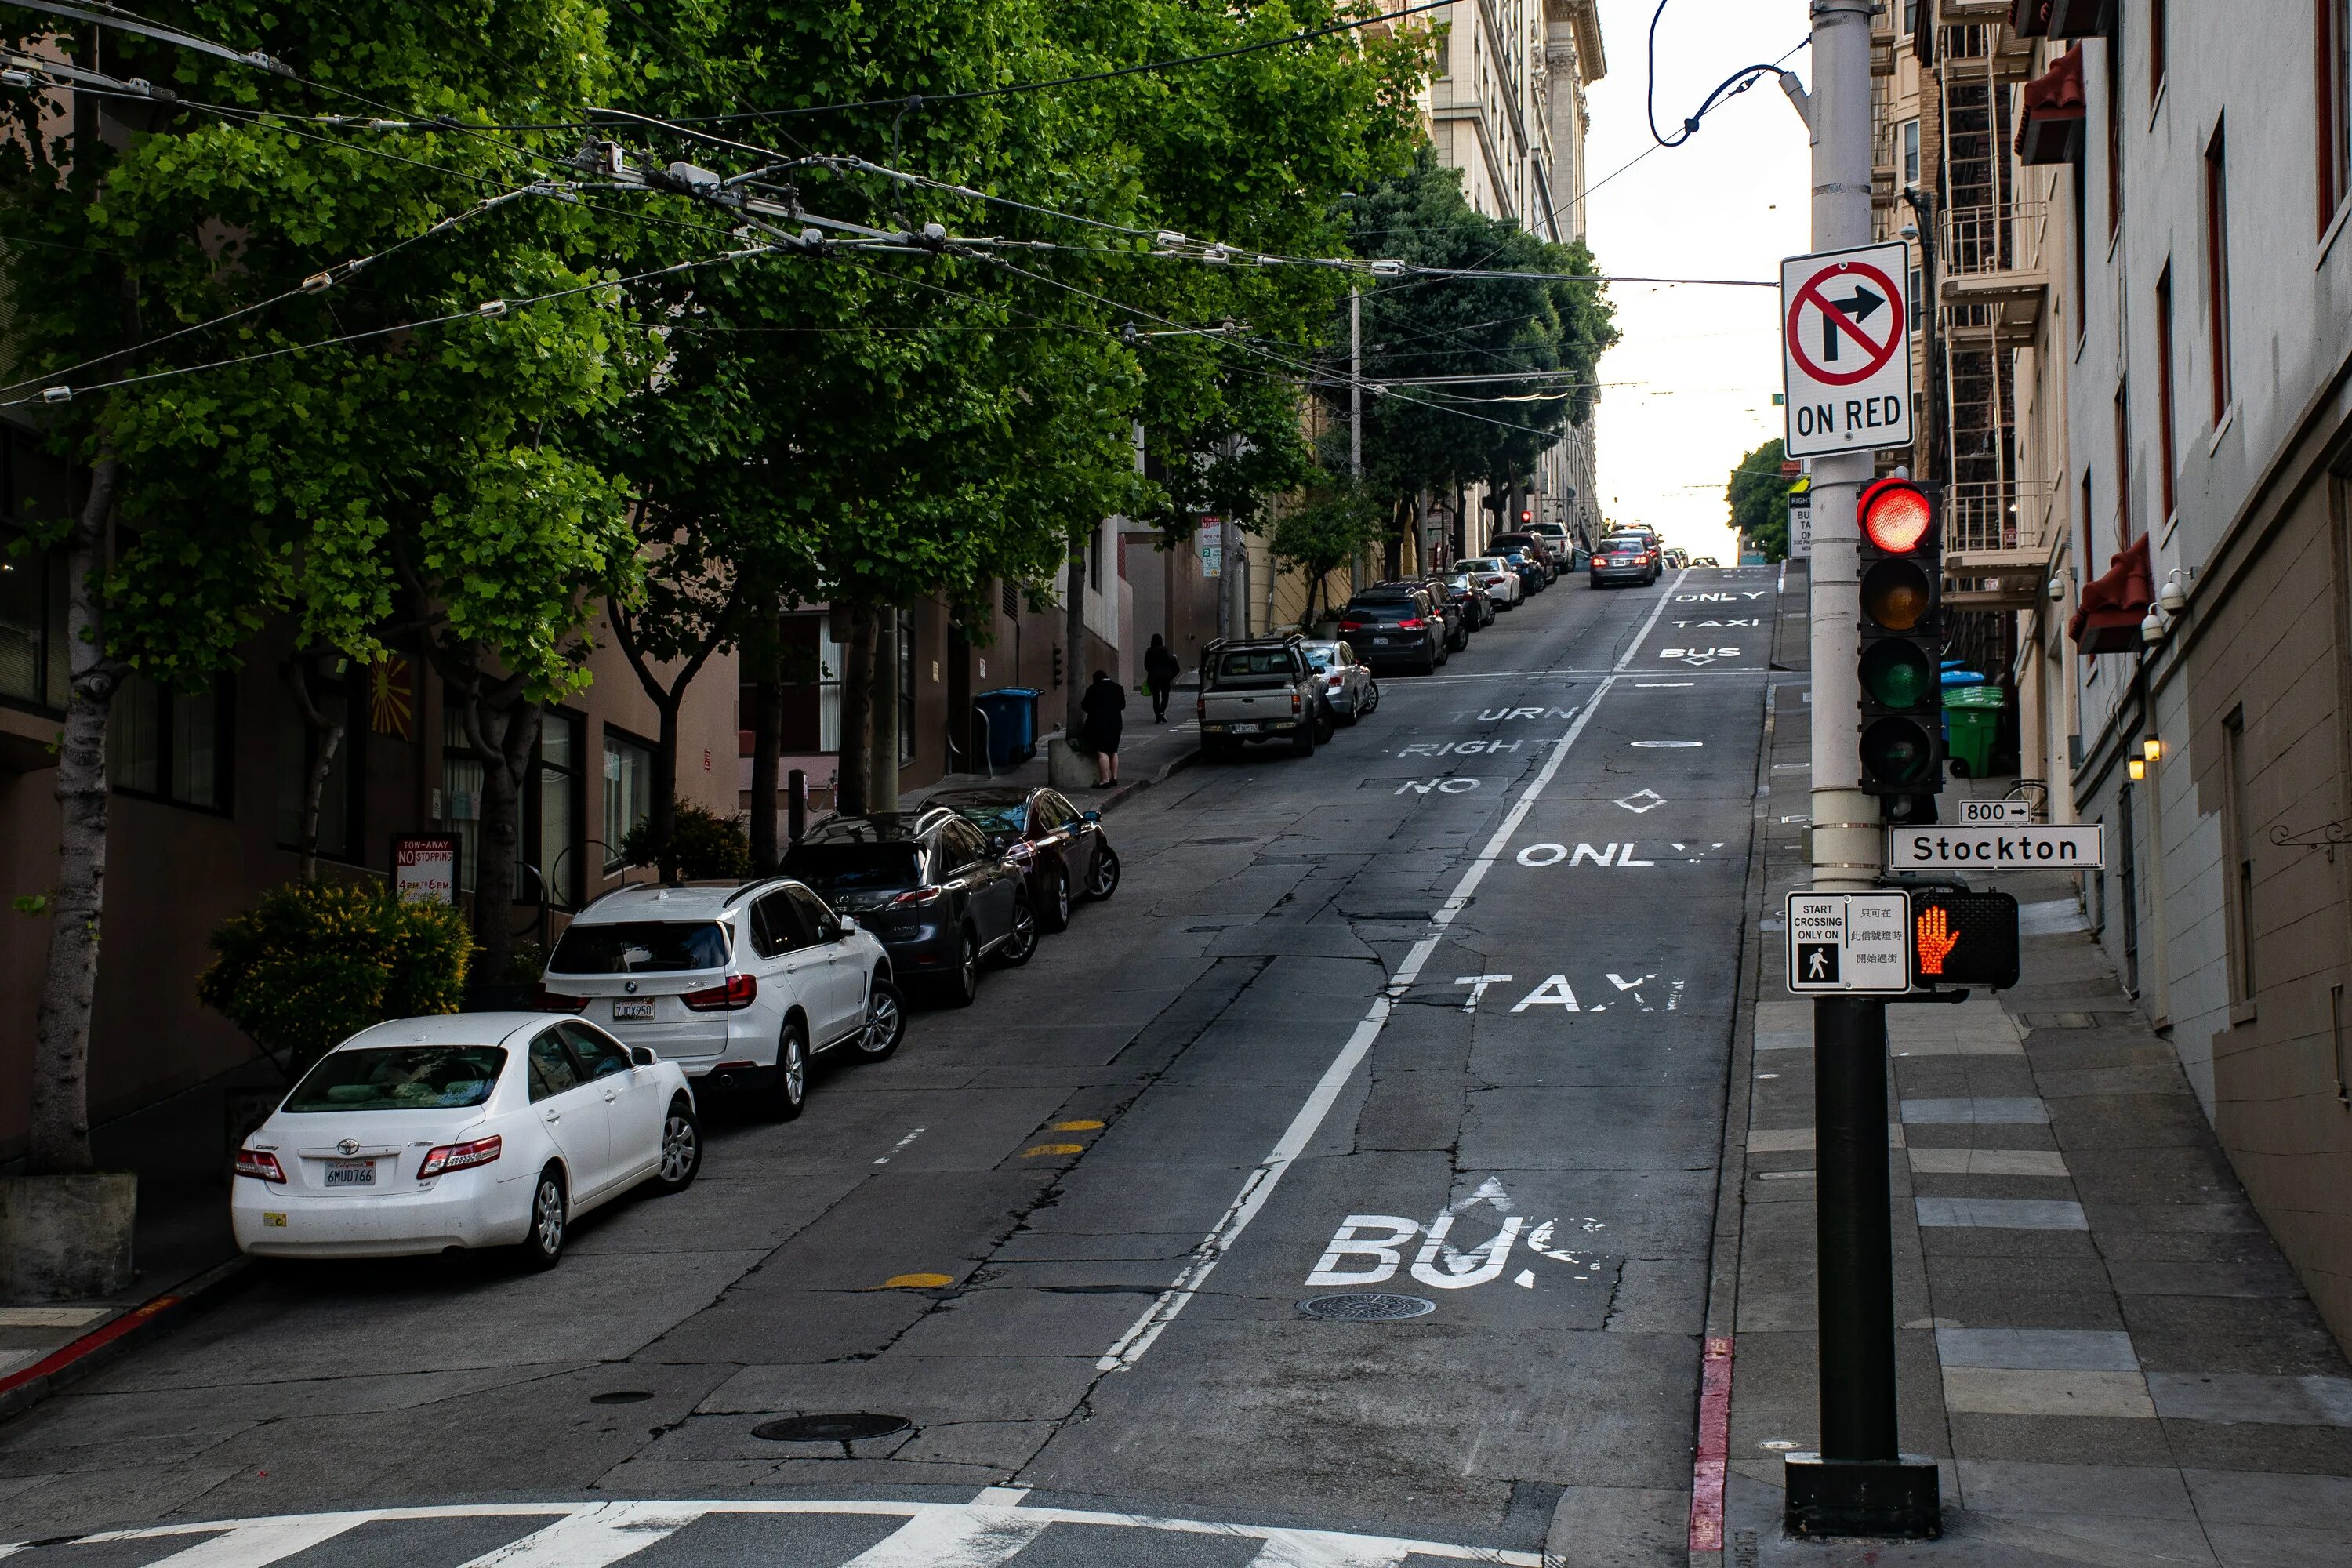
(1174, 765)
(111, 1341)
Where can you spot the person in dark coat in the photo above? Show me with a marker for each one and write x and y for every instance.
(1160, 670)
(1105, 706)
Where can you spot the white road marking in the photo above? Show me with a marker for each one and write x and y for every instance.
(901, 1144)
(263, 1541)
(955, 1538)
(601, 1533)
(1664, 685)
(1259, 1184)
(954, 1521)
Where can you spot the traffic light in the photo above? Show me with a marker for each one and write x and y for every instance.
(1902, 569)
(1963, 939)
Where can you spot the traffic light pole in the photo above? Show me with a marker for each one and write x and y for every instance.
(1859, 1483)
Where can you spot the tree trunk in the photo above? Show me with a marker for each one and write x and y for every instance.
(882, 756)
(767, 738)
(669, 701)
(1073, 638)
(314, 786)
(856, 637)
(503, 726)
(60, 1119)
(661, 811)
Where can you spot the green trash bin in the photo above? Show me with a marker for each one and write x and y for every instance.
(1971, 720)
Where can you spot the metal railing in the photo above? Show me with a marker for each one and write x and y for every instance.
(2008, 514)
(1979, 240)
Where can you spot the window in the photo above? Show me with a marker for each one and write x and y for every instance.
(399, 1078)
(171, 745)
(2090, 539)
(2164, 388)
(776, 927)
(549, 825)
(628, 791)
(560, 802)
(639, 947)
(340, 816)
(2241, 858)
(818, 919)
(1910, 18)
(33, 664)
(1910, 153)
(960, 845)
(598, 1053)
(2216, 266)
(552, 1068)
(1918, 302)
(2116, 121)
(2157, 28)
(2123, 466)
(2332, 56)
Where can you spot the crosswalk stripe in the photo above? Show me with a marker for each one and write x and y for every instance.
(948, 1536)
(263, 1541)
(601, 1533)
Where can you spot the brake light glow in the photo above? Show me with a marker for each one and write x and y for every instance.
(1410, 623)
(731, 997)
(1351, 626)
(918, 898)
(1294, 702)
(556, 1001)
(259, 1164)
(458, 1156)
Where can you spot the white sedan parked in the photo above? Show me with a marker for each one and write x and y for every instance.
(470, 1129)
(1495, 575)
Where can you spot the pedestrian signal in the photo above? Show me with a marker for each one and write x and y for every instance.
(1902, 566)
(1963, 939)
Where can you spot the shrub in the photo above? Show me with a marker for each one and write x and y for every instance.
(313, 963)
(703, 844)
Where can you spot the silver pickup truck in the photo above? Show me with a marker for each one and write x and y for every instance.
(1261, 690)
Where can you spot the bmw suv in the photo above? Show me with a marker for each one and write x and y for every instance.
(929, 886)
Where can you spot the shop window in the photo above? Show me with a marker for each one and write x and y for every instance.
(549, 832)
(171, 745)
(628, 791)
(33, 664)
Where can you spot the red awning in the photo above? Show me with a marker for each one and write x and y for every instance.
(2108, 618)
(2030, 18)
(2049, 115)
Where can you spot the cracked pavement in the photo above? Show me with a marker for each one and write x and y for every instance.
(1051, 1158)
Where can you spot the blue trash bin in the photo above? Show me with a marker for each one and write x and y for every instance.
(1012, 715)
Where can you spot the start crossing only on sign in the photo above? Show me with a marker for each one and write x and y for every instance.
(1841, 943)
(1845, 342)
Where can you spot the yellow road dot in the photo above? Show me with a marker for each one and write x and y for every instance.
(1034, 1149)
(1078, 1126)
(916, 1281)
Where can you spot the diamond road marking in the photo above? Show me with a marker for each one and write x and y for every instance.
(1641, 801)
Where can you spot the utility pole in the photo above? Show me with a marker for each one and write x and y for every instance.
(1859, 1483)
(1357, 572)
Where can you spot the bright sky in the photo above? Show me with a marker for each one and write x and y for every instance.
(1689, 390)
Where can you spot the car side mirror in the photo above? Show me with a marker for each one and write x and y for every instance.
(1091, 816)
(644, 1056)
(844, 925)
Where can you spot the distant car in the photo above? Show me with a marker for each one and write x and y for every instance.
(1477, 609)
(1504, 585)
(1532, 573)
(1062, 851)
(1457, 625)
(927, 884)
(1349, 685)
(1539, 549)
(468, 1130)
(740, 986)
(1396, 628)
(1625, 558)
(1707, 561)
(1678, 559)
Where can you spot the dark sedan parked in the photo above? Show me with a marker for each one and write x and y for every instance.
(929, 884)
(1061, 850)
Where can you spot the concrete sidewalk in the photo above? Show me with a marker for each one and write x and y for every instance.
(1148, 755)
(2099, 1341)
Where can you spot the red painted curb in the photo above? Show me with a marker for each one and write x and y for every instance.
(1713, 1446)
(21, 1389)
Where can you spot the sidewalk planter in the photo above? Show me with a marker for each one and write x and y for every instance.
(1068, 768)
(66, 1238)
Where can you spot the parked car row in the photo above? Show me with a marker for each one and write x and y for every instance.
(480, 1129)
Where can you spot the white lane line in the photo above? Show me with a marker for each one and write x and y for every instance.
(901, 1144)
(264, 1542)
(1260, 1184)
(597, 1535)
(955, 1538)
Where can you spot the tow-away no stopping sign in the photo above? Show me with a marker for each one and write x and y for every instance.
(1846, 343)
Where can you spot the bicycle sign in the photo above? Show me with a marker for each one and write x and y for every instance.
(1845, 337)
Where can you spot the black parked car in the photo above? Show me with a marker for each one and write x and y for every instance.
(1539, 549)
(1457, 618)
(1062, 851)
(928, 884)
(1532, 575)
(1477, 609)
(1396, 627)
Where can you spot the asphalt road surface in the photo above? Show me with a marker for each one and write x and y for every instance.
(1441, 1014)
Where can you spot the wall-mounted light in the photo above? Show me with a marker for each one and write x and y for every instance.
(2155, 628)
(2137, 769)
(2174, 598)
(2057, 589)
(2152, 749)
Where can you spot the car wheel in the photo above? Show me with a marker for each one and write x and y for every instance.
(1373, 697)
(789, 1096)
(1327, 723)
(886, 1022)
(1057, 901)
(1355, 712)
(1021, 941)
(963, 985)
(681, 1147)
(550, 1213)
(1103, 881)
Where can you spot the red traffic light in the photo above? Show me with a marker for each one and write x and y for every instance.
(1526, 516)
(1895, 515)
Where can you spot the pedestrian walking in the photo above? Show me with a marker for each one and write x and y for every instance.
(1160, 672)
(1105, 706)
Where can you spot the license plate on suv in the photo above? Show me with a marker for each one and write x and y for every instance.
(350, 1172)
(1380, 642)
(642, 1010)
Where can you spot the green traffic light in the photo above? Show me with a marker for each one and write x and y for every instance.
(1896, 674)
(1897, 751)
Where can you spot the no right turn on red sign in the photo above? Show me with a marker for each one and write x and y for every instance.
(1845, 344)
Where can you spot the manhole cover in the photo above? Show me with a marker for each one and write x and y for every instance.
(621, 1397)
(846, 1427)
(1366, 1307)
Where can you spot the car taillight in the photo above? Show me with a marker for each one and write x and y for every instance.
(257, 1163)
(736, 995)
(458, 1156)
(1335, 678)
(556, 1001)
(1352, 625)
(917, 899)
(1411, 624)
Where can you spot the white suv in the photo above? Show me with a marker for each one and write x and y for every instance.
(740, 986)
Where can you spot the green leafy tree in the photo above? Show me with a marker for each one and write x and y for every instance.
(1323, 532)
(1758, 497)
